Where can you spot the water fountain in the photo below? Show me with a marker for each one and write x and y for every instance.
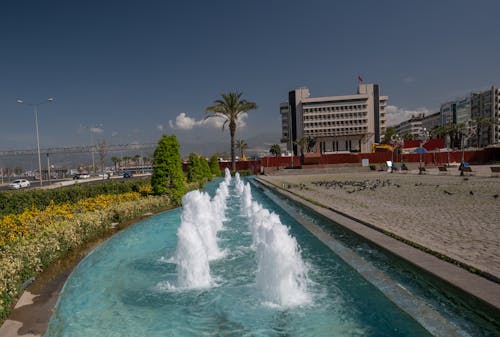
(281, 273)
(233, 269)
(202, 217)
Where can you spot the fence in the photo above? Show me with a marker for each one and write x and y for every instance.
(429, 158)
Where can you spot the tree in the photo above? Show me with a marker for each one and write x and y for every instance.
(389, 132)
(453, 131)
(302, 143)
(167, 177)
(126, 159)
(116, 160)
(137, 159)
(214, 166)
(198, 170)
(207, 173)
(480, 124)
(275, 150)
(242, 145)
(230, 108)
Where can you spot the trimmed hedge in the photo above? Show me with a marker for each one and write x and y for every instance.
(15, 202)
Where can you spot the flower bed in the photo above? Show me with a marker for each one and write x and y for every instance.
(33, 239)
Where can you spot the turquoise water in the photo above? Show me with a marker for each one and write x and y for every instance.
(119, 289)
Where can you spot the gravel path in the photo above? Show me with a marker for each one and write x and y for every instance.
(455, 216)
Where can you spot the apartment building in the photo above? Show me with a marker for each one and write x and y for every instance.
(485, 107)
(350, 123)
(457, 111)
(412, 126)
(431, 121)
(480, 107)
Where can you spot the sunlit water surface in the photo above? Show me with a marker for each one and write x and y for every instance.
(141, 282)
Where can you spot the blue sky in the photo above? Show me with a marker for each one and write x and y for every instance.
(127, 68)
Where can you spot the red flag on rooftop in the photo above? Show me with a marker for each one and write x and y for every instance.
(360, 79)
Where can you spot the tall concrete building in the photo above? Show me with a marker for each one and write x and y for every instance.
(484, 105)
(431, 121)
(350, 123)
(457, 111)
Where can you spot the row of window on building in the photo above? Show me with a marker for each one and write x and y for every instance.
(337, 108)
(335, 116)
(334, 123)
(335, 131)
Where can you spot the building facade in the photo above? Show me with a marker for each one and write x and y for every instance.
(431, 121)
(412, 127)
(485, 109)
(350, 123)
(482, 109)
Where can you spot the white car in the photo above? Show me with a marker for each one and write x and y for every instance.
(19, 183)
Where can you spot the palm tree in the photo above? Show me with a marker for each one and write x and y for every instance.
(275, 150)
(302, 143)
(242, 145)
(137, 159)
(116, 160)
(230, 108)
(481, 124)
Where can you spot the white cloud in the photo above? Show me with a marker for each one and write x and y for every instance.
(184, 122)
(96, 129)
(408, 80)
(395, 115)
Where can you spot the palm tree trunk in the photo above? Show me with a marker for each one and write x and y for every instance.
(233, 159)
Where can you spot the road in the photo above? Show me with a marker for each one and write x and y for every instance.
(55, 183)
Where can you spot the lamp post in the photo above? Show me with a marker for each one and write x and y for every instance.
(467, 132)
(424, 138)
(36, 105)
(92, 130)
(396, 144)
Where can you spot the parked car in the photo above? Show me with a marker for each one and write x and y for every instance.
(81, 176)
(127, 175)
(19, 183)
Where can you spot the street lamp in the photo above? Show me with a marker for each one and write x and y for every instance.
(93, 129)
(424, 139)
(36, 105)
(396, 142)
(467, 132)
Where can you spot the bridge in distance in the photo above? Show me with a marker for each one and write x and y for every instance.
(80, 149)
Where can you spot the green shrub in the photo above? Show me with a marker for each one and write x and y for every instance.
(15, 202)
(214, 166)
(168, 177)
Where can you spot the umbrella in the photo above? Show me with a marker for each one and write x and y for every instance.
(420, 150)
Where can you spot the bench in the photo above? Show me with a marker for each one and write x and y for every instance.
(467, 169)
(495, 171)
(442, 169)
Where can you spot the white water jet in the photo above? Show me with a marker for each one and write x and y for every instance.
(281, 272)
(201, 219)
(238, 184)
(227, 176)
(191, 255)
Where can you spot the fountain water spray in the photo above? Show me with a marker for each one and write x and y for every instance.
(201, 219)
(281, 272)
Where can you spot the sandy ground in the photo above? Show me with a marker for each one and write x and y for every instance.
(455, 216)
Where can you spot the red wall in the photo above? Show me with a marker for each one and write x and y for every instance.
(436, 158)
(251, 165)
(429, 158)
